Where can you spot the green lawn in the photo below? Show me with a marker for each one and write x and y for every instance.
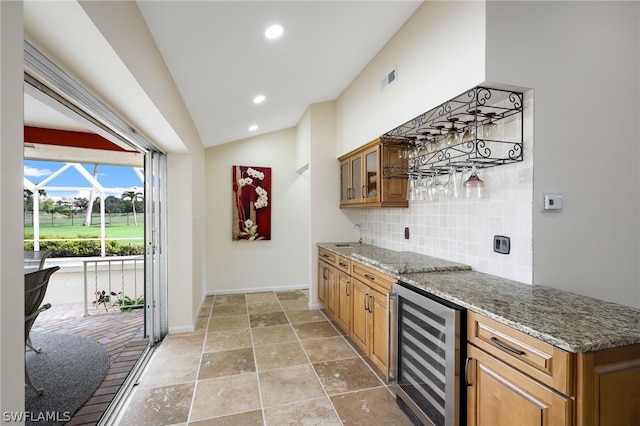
(116, 225)
(68, 231)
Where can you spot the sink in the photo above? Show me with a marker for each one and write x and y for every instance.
(345, 245)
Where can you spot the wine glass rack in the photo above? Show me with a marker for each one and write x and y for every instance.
(424, 138)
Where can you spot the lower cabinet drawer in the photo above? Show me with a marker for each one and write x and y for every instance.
(540, 360)
(498, 394)
(372, 277)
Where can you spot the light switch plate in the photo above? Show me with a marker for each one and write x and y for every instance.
(551, 202)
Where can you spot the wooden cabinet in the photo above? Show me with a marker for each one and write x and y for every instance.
(343, 302)
(362, 183)
(500, 395)
(355, 297)
(369, 328)
(608, 387)
(515, 378)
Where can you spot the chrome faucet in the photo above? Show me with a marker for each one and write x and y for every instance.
(357, 225)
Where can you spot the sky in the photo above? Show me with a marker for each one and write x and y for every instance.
(115, 179)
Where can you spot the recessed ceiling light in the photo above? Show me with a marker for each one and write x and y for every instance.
(274, 31)
(253, 127)
(259, 99)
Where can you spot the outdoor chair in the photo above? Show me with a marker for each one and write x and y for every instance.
(35, 287)
(34, 260)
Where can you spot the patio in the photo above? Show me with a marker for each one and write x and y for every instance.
(122, 333)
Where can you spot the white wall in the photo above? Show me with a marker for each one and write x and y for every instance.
(11, 277)
(583, 61)
(282, 262)
(439, 53)
(327, 222)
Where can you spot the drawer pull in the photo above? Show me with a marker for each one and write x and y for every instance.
(325, 255)
(369, 277)
(342, 264)
(507, 347)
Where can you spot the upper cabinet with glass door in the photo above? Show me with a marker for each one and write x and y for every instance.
(361, 181)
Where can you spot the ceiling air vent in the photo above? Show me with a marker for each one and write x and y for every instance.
(389, 78)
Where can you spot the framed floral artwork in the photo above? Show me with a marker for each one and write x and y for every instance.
(251, 203)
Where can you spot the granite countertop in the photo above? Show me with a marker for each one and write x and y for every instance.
(566, 320)
(394, 263)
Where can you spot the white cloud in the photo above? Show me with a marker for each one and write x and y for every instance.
(35, 172)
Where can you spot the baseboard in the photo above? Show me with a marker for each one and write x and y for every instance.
(182, 329)
(257, 289)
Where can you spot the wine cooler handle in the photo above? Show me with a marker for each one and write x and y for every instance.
(466, 371)
(392, 335)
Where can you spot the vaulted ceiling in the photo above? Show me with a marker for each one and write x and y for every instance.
(219, 58)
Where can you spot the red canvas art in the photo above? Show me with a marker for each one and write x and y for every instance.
(251, 203)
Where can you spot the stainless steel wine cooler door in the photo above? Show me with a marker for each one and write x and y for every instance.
(428, 345)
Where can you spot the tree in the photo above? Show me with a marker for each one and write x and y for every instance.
(92, 198)
(133, 196)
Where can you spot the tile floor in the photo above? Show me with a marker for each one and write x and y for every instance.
(260, 359)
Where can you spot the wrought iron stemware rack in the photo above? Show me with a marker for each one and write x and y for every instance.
(429, 151)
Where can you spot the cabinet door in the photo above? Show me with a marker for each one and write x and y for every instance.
(343, 301)
(346, 194)
(322, 281)
(359, 326)
(371, 175)
(378, 320)
(356, 177)
(503, 396)
(330, 293)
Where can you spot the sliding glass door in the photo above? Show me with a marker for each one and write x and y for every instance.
(155, 243)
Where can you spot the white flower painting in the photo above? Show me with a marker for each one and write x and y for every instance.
(251, 204)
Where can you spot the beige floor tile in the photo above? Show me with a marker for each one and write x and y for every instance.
(225, 395)
(266, 320)
(226, 340)
(170, 371)
(314, 330)
(180, 344)
(269, 357)
(208, 301)
(315, 412)
(274, 334)
(227, 310)
(164, 405)
(346, 375)
(290, 295)
(301, 317)
(234, 322)
(289, 385)
(201, 325)
(226, 363)
(328, 349)
(229, 299)
(295, 305)
(261, 297)
(264, 307)
(369, 407)
(204, 311)
(250, 418)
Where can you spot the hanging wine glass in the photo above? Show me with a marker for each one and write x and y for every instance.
(473, 187)
(452, 134)
(468, 135)
(439, 139)
(489, 129)
(451, 186)
(424, 149)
